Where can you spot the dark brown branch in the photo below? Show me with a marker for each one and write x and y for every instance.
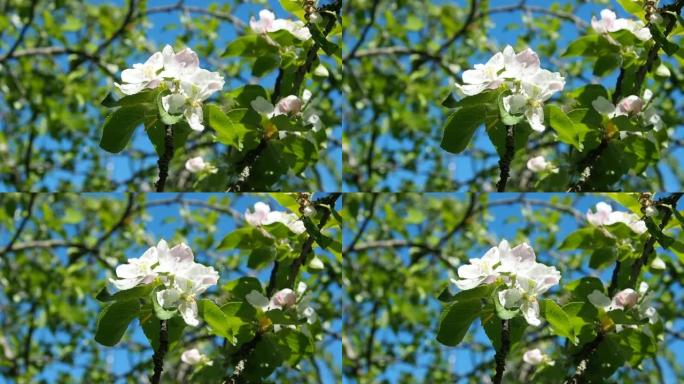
(165, 158)
(159, 354)
(501, 354)
(505, 161)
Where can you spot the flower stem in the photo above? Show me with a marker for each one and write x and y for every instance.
(165, 158)
(505, 161)
(159, 354)
(501, 354)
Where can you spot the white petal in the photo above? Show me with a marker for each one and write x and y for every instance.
(130, 89)
(188, 310)
(132, 76)
(535, 116)
(530, 310)
(194, 117)
(124, 284)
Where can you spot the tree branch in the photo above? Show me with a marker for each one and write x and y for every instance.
(22, 225)
(165, 158)
(505, 161)
(159, 354)
(501, 354)
(22, 33)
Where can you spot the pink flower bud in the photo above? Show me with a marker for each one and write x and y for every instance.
(630, 104)
(626, 298)
(290, 104)
(284, 298)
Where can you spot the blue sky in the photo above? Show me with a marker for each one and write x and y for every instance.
(163, 223)
(164, 29)
(462, 166)
(505, 222)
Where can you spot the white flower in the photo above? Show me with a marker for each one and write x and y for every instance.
(538, 164)
(610, 23)
(186, 286)
(175, 259)
(533, 356)
(658, 264)
(179, 65)
(535, 90)
(479, 271)
(283, 300)
(268, 23)
(194, 89)
(521, 65)
(191, 356)
(263, 215)
(195, 164)
(605, 215)
(484, 76)
(321, 71)
(142, 76)
(137, 271)
(532, 280)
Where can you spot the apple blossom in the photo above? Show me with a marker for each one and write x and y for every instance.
(605, 215)
(533, 356)
(538, 164)
(627, 106)
(142, 76)
(532, 280)
(191, 356)
(195, 164)
(288, 105)
(483, 76)
(529, 99)
(625, 299)
(658, 264)
(268, 23)
(183, 289)
(610, 23)
(285, 298)
(262, 215)
(479, 271)
(138, 271)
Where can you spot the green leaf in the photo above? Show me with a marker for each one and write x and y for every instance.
(128, 294)
(456, 318)
(247, 46)
(664, 240)
(293, 345)
(264, 359)
(119, 126)
(287, 200)
(218, 322)
(229, 129)
(627, 200)
(285, 123)
(586, 238)
(581, 46)
(669, 47)
(239, 288)
(313, 231)
(157, 135)
(450, 101)
(558, 320)
(565, 128)
(635, 346)
(261, 257)
(460, 128)
(144, 97)
(502, 312)
(151, 327)
(294, 7)
(265, 64)
(633, 7)
(492, 327)
(113, 321)
(317, 35)
(581, 288)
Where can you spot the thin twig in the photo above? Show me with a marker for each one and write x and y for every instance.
(505, 161)
(22, 33)
(22, 225)
(165, 158)
(501, 354)
(159, 354)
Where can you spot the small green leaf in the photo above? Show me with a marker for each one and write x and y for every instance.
(161, 312)
(455, 321)
(558, 319)
(664, 240)
(164, 116)
(294, 7)
(565, 128)
(669, 47)
(460, 128)
(502, 312)
(144, 97)
(128, 294)
(119, 126)
(114, 319)
(229, 129)
(218, 322)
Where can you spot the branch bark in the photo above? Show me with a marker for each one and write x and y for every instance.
(501, 354)
(505, 161)
(165, 158)
(159, 354)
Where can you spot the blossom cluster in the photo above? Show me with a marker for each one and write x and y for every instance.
(285, 299)
(535, 357)
(605, 215)
(627, 300)
(193, 357)
(610, 23)
(182, 277)
(521, 73)
(262, 215)
(189, 84)
(524, 278)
